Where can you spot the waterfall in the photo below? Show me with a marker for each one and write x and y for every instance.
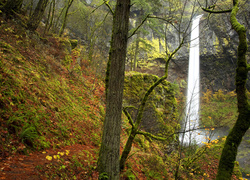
(193, 89)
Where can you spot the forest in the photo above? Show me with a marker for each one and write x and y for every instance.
(98, 89)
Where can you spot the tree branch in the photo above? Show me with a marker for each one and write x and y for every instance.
(216, 12)
(96, 8)
(167, 20)
(147, 134)
(107, 4)
(128, 116)
(133, 33)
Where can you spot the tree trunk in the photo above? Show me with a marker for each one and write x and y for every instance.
(37, 15)
(127, 148)
(48, 18)
(12, 6)
(136, 51)
(242, 124)
(108, 163)
(65, 17)
(52, 16)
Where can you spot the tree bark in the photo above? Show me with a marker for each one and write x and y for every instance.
(65, 17)
(242, 124)
(108, 162)
(37, 15)
(52, 16)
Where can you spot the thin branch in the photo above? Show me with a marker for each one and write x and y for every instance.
(107, 4)
(170, 21)
(164, 19)
(195, 129)
(133, 33)
(216, 12)
(73, 12)
(97, 8)
(128, 116)
(147, 134)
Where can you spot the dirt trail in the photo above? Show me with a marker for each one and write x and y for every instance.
(24, 167)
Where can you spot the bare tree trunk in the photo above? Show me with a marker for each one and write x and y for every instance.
(37, 15)
(108, 163)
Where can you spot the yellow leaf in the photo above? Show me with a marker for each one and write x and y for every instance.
(56, 156)
(49, 158)
(61, 153)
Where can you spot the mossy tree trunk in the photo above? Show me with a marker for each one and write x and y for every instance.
(229, 152)
(37, 15)
(50, 17)
(69, 3)
(12, 6)
(108, 162)
(242, 124)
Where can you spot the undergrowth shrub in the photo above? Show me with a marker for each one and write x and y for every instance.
(218, 109)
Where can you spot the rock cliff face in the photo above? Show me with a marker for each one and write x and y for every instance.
(160, 115)
(218, 54)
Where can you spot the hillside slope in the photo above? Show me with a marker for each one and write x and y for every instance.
(46, 99)
(51, 114)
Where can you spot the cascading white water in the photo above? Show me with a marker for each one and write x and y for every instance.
(193, 90)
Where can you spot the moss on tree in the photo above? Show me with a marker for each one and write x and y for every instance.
(242, 124)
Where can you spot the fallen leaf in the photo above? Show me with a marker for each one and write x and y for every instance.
(6, 169)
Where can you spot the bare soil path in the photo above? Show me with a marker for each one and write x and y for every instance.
(26, 167)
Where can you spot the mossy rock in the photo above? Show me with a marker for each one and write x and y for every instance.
(66, 45)
(160, 115)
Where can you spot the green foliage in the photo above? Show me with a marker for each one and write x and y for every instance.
(160, 113)
(219, 95)
(28, 134)
(103, 176)
(218, 109)
(147, 5)
(207, 96)
(42, 102)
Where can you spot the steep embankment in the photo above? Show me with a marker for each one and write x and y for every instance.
(46, 101)
(51, 113)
